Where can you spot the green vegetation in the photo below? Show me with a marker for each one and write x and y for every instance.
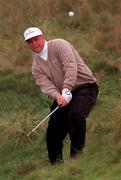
(95, 31)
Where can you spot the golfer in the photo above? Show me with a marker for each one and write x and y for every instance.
(63, 76)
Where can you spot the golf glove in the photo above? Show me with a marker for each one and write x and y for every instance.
(66, 94)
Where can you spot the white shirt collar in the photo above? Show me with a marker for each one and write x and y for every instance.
(44, 53)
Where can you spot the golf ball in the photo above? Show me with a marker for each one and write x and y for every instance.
(71, 13)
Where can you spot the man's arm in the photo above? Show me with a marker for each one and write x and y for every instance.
(45, 84)
(69, 65)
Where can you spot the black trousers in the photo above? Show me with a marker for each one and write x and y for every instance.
(70, 119)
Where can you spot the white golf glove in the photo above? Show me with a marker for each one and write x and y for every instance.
(67, 95)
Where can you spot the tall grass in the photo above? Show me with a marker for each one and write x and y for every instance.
(22, 109)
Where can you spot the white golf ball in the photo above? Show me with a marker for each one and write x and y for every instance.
(71, 13)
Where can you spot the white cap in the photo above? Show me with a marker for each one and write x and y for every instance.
(31, 32)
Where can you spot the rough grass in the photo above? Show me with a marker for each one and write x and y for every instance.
(27, 159)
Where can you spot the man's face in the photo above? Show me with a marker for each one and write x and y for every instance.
(36, 44)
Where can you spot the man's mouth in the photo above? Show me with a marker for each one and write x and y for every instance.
(36, 47)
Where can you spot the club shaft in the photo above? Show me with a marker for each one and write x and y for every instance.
(43, 121)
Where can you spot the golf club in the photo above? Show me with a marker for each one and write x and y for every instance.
(42, 121)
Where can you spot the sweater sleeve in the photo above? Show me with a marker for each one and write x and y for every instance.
(43, 81)
(69, 65)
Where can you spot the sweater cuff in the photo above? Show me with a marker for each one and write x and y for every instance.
(67, 86)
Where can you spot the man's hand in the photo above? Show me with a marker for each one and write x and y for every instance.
(61, 101)
(65, 98)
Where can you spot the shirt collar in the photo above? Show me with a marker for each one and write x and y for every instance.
(44, 53)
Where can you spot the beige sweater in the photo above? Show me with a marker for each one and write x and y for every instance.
(64, 68)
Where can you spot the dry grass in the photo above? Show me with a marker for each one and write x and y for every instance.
(18, 130)
(97, 19)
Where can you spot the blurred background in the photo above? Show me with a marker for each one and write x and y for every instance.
(95, 29)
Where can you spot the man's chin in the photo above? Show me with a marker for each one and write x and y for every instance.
(37, 50)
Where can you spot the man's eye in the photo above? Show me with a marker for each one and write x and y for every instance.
(29, 41)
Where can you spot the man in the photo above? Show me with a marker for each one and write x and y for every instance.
(63, 76)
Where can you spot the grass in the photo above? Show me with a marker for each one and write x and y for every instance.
(21, 111)
(95, 33)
